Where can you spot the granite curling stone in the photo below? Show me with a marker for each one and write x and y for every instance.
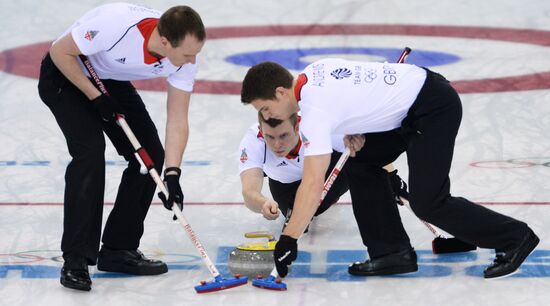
(253, 259)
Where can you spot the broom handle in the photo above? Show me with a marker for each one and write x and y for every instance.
(430, 227)
(326, 187)
(144, 159)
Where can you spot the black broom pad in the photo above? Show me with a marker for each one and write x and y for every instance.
(442, 245)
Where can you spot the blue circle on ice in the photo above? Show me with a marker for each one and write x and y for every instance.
(296, 59)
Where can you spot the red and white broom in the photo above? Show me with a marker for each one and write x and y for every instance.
(147, 165)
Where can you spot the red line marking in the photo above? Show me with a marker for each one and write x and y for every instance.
(32, 258)
(24, 60)
(518, 203)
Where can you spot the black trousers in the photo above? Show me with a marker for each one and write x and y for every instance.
(85, 175)
(285, 193)
(428, 136)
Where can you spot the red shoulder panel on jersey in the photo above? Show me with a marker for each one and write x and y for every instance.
(146, 27)
(300, 81)
(296, 151)
(260, 135)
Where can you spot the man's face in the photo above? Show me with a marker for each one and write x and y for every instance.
(282, 138)
(186, 52)
(278, 108)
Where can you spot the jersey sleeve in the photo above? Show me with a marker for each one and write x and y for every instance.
(338, 142)
(251, 151)
(316, 134)
(184, 78)
(96, 31)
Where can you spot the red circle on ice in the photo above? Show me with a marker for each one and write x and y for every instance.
(25, 60)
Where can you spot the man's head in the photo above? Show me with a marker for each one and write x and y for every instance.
(182, 33)
(281, 136)
(268, 87)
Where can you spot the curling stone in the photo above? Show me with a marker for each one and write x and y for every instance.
(255, 258)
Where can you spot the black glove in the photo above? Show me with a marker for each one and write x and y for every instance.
(399, 187)
(172, 183)
(286, 251)
(107, 107)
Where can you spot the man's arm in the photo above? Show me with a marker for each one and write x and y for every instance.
(177, 133)
(64, 55)
(309, 194)
(177, 125)
(252, 182)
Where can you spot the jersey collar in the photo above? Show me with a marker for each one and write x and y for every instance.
(300, 82)
(294, 153)
(146, 27)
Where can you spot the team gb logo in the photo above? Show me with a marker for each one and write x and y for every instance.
(341, 73)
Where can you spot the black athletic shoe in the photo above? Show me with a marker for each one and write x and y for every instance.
(396, 263)
(129, 261)
(74, 274)
(508, 262)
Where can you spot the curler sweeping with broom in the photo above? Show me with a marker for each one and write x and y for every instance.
(400, 108)
(123, 42)
(275, 149)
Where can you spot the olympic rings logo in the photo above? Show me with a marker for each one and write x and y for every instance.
(513, 163)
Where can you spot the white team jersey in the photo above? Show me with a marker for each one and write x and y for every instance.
(254, 153)
(114, 37)
(343, 97)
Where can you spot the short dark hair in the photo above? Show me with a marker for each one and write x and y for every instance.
(272, 122)
(262, 79)
(179, 21)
